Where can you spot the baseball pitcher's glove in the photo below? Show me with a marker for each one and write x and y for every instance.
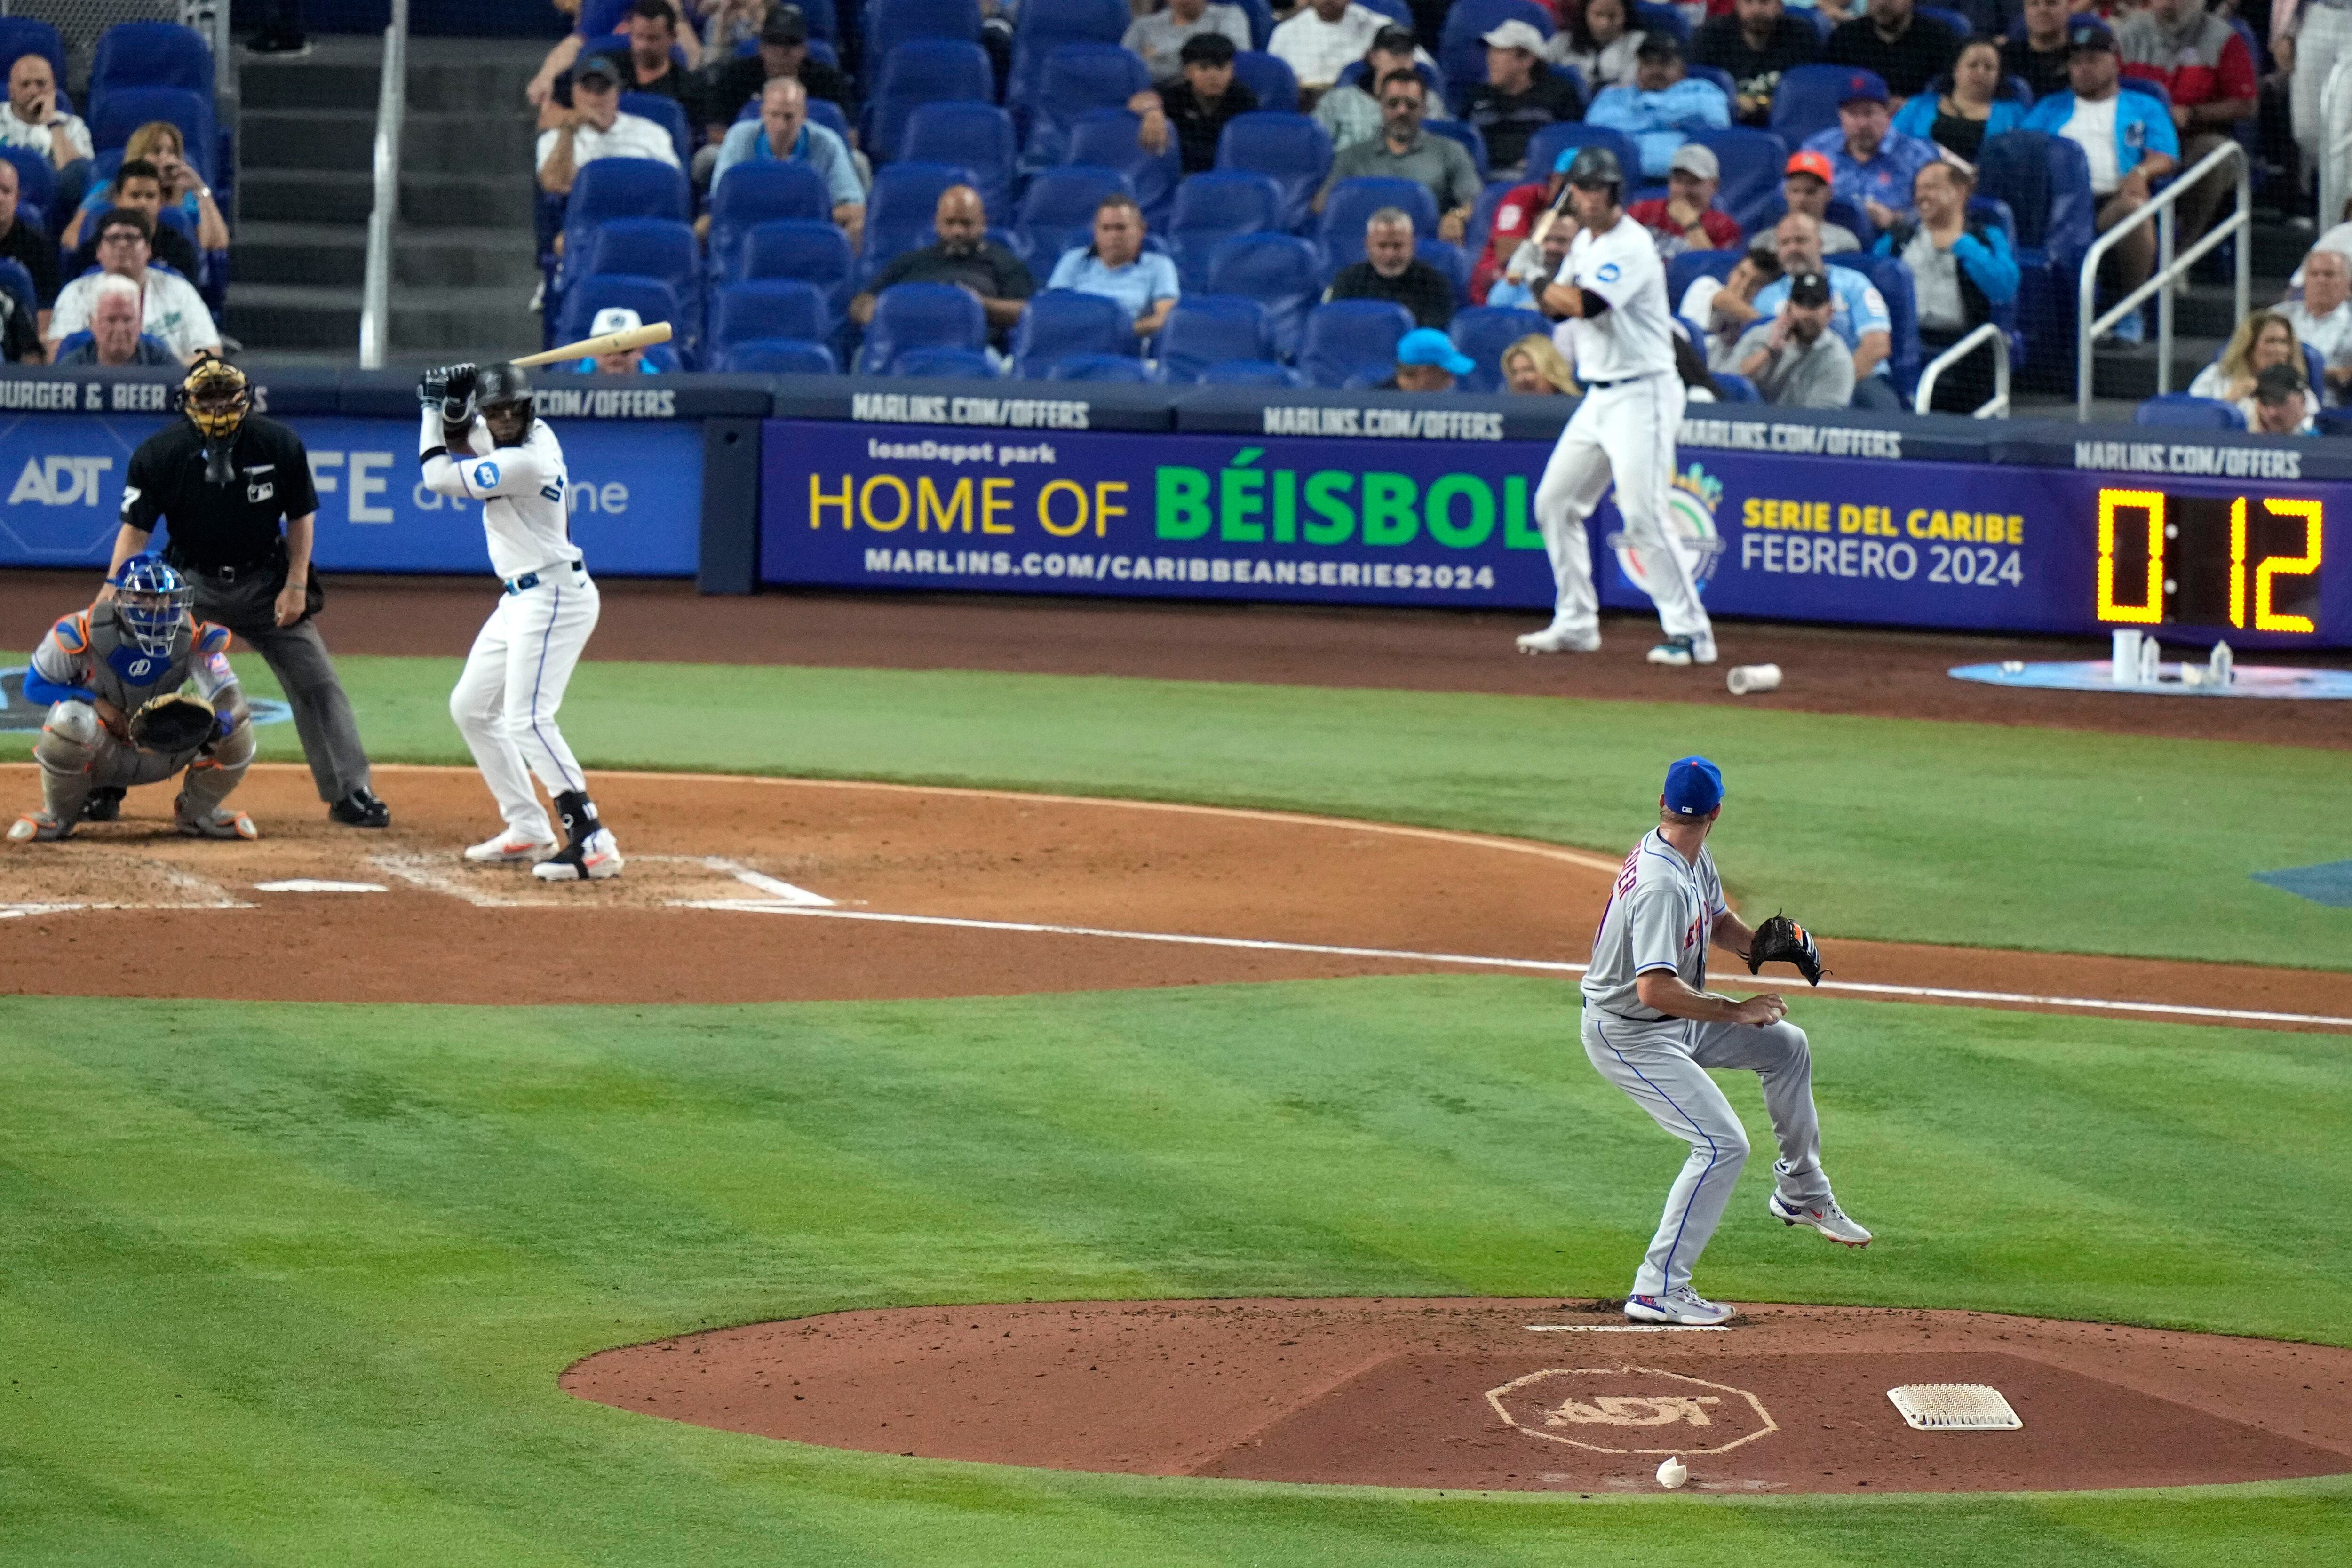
(173, 724)
(1782, 941)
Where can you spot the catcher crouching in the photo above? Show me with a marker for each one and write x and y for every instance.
(114, 675)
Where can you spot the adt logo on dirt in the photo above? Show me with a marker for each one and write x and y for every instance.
(1690, 527)
(60, 481)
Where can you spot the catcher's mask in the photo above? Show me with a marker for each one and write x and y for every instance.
(150, 598)
(503, 393)
(216, 397)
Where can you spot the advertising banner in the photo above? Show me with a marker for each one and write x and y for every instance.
(1442, 523)
(636, 494)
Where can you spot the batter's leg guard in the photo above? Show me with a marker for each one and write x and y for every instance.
(209, 783)
(69, 744)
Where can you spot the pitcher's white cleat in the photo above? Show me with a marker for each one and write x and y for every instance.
(1824, 1217)
(1680, 1305)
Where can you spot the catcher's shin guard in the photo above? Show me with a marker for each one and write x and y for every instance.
(211, 778)
(68, 744)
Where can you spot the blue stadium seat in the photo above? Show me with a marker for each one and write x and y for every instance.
(16, 280)
(1449, 259)
(1077, 78)
(22, 36)
(1957, 23)
(1280, 271)
(810, 250)
(926, 70)
(1291, 149)
(1058, 212)
(890, 23)
(37, 179)
(1270, 77)
(1106, 139)
(1261, 21)
(1484, 331)
(651, 247)
(1398, 12)
(1341, 232)
(149, 54)
(977, 135)
(901, 207)
(611, 188)
(757, 193)
(1094, 367)
(1347, 338)
(1470, 137)
(1249, 373)
(1058, 322)
(1546, 145)
(1687, 269)
(1821, 22)
(1460, 49)
(1737, 388)
(921, 316)
(1045, 25)
(1651, 18)
(1752, 163)
(2046, 181)
(1807, 100)
(126, 109)
(824, 22)
(650, 298)
(967, 364)
(668, 113)
(2181, 411)
(1209, 329)
(777, 356)
(1214, 207)
(1717, 77)
(1904, 357)
(768, 308)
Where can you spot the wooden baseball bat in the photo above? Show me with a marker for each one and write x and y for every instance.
(610, 343)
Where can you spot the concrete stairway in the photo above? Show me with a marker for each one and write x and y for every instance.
(463, 269)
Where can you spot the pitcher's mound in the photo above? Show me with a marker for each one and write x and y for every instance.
(1519, 1395)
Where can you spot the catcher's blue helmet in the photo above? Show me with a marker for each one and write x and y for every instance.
(150, 598)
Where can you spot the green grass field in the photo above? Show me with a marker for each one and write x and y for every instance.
(291, 1284)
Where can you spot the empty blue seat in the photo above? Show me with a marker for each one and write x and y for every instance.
(1461, 47)
(965, 364)
(609, 188)
(1904, 357)
(1214, 207)
(1280, 271)
(977, 135)
(777, 356)
(1044, 26)
(1106, 139)
(1249, 373)
(925, 70)
(1449, 259)
(1261, 21)
(2045, 182)
(1058, 212)
(1077, 78)
(1094, 367)
(1737, 388)
(668, 113)
(149, 54)
(901, 209)
(22, 36)
(1270, 77)
(823, 23)
(1290, 149)
(1687, 269)
(890, 23)
(1653, 17)
(1484, 331)
(921, 316)
(126, 109)
(1058, 322)
(768, 308)
(1546, 145)
(2179, 410)
(812, 252)
(757, 193)
(1341, 232)
(650, 298)
(1347, 337)
(1807, 100)
(1209, 329)
(651, 247)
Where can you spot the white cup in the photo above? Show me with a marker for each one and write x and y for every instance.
(1751, 678)
(2127, 658)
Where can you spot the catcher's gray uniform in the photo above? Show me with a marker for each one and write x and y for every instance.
(91, 650)
(1661, 914)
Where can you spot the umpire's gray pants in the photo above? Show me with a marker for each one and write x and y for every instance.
(297, 654)
(1664, 1066)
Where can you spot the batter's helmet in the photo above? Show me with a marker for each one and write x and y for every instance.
(1595, 167)
(501, 384)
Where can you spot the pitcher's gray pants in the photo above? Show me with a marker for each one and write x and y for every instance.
(1664, 1066)
(296, 656)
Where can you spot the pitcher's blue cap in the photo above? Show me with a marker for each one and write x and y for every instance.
(1693, 787)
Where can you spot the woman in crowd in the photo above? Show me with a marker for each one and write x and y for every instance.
(1599, 43)
(159, 142)
(1959, 271)
(1969, 109)
(2263, 339)
(1533, 365)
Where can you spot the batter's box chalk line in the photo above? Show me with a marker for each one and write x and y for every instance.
(1955, 1407)
(442, 874)
(196, 894)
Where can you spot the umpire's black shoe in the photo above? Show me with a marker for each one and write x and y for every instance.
(104, 805)
(360, 809)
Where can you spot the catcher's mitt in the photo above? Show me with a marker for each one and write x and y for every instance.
(1782, 939)
(174, 722)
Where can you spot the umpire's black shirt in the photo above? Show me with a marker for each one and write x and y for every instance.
(216, 526)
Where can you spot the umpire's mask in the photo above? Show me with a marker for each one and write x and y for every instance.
(216, 397)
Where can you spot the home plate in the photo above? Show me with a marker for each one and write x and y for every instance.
(1955, 1407)
(314, 885)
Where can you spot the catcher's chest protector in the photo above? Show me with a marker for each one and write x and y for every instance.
(126, 674)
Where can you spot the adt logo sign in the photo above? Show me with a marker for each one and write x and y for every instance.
(60, 481)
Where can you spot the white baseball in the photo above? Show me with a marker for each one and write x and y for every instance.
(1673, 1473)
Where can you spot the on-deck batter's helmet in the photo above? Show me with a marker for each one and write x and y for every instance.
(1595, 167)
(150, 598)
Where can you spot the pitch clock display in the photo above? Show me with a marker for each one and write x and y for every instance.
(2248, 561)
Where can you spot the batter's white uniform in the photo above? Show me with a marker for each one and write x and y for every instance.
(1625, 426)
(1661, 912)
(506, 700)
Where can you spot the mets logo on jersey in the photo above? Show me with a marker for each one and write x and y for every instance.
(486, 475)
(1690, 528)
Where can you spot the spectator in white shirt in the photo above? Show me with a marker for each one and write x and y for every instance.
(32, 122)
(1159, 37)
(2322, 318)
(1323, 39)
(174, 312)
(595, 127)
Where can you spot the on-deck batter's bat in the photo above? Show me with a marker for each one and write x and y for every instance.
(610, 343)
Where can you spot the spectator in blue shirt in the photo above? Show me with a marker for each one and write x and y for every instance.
(782, 133)
(1969, 110)
(2127, 138)
(1960, 271)
(1661, 106)
(1872, 163)
(1858, 313)
(1117, 267)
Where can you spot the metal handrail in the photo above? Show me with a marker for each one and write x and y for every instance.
(1997, 406)
(2159, 211)
(391, 110)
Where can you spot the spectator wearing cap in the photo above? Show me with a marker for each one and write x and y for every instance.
(33, 121)
(595, 127)
(1600, 42)
(1403, 150)
(2204, 65)
(1198, 106)
(1906, 50)
(1159, 38)
(1390, 270)
(2037, 51)
(1870, 163)
(2323, 318)
(172, 310)
(964, 256)
(1520, 96)
(114, 339)
(1117, 267)
(643, 53)
(1686, 217)
(1756, 44)
(2129, 141)
(625, 362)
(567, 51)
(728, 84)
(1959, 117)
(1724, 310)
(139, 187)
(1806, 186)
(1351, 112)
(1858, 313)
(20, 241)
(2281, 404)
(1532, 266)
(1321, 39)
(1794, 359)
(1534, 367)
(782, 134)
(1661, 106)
(1427, 361)
(1959, 271)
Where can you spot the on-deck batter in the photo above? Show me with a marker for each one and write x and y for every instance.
(506, 700)
(1617, 331)
(1653, 1029)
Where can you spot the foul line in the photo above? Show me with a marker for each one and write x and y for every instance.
(1541, 965)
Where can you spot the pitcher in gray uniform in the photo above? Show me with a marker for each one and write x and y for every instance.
(99, 666)
(1652, 1028)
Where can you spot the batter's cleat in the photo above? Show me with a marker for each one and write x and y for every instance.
(510, 847)
(218, 823)
(1824, 1217)
(104, 805)
(38, 828)
(1559, 639)
(1680, 1305)
(592, 859)
(1683, 651)
(360, 809)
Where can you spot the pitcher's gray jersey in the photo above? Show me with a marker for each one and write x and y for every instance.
(1661, 911)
